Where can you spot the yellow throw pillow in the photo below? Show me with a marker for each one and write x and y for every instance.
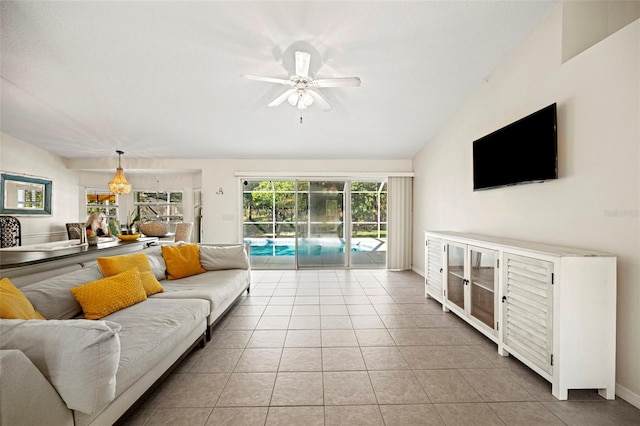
(182, 261)
(115, 265)
(14, 304)
(108, 295)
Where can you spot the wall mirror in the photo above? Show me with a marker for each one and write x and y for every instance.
(25, 195)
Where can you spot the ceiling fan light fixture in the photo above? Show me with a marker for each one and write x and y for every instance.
(293, 99)
(306, 97)
(119, 184)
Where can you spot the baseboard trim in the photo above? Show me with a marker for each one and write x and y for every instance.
(628, 396)
(418, 271)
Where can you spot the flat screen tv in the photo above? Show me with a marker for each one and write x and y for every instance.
(525, 151)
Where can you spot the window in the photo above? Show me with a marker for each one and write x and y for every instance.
(102, 201)
(165, 206)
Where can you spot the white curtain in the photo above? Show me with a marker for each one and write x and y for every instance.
(399, 222)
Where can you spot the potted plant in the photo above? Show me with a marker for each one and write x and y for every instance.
(131, 224)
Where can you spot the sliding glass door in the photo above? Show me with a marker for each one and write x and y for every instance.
(293, 224)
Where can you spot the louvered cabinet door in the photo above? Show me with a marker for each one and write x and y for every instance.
(434, 268)
(528, 308)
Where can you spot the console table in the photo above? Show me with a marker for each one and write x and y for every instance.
(18, 261)
(552, 307)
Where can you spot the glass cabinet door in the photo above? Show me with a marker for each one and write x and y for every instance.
(483, 284)
(455, 274)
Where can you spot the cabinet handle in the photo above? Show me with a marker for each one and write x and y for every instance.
(440, 270)
(504, 298)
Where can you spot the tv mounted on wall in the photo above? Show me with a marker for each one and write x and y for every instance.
(525, 151)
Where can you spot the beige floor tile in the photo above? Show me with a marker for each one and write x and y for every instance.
(411, 337)
(273, 323)
(381, 299)
(389, 309)
(333, 310)
(410, 415)
(329, 289)
(356, 300)
(307, 300)
(301, 359)
(496, 384)
(306, 291)
(467, 357)
(238, 416)
(306, 310)
(282, 300)
(217, 360)
(299, 388)
(209, 387)
(366, 322)
(247, 390)
(384, 358)
(140, 417)
(335, 322)
(267, 339)
(525, 414)
(304, 322)
(255, 300)
(259, 360)
(448, 336)
(179, 416)
(285, 292)
(303, 339)
(278, 310)
(229, 339)
(332, 300)
(342, 359)
(348, 388)
(445, 386)
(397, 387)
(338, 338)
(355, 415)
(287, 416)
(468, 414)
(361, 310)
(374, 338)
(247, 310)
(592, 413)
(435, 321)
(240, 323)
(425, 357)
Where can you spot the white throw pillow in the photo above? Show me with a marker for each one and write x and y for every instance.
(79, 357)
(213, 258)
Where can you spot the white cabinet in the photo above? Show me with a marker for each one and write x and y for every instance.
(553, 308)
(470, 285)
(434, 252)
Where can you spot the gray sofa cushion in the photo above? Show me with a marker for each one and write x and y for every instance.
(52, 298)
(150, 330)
(217, 287)
(214, 258)
(78, 357)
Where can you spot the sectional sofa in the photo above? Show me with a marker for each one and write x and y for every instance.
(68, 370)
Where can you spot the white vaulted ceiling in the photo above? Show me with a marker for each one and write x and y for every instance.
(162, 79)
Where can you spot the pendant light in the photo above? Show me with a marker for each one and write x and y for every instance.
(119, 184)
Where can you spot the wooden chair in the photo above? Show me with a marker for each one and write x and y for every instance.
(10, 232)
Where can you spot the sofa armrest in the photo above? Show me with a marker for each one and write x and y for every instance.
(78, 357)
(26, 397)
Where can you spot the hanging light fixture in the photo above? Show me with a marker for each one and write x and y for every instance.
(119, 184)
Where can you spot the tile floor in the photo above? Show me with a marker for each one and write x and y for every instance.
(337, 347)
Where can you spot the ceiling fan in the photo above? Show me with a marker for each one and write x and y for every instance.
(303, 88)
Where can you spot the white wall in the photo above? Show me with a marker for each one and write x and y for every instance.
(20, 157)
(595, 202)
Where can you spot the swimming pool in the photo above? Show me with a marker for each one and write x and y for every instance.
(307, 247)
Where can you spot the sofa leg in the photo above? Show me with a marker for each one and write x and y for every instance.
(202, 341)
(208, 333)
(248, 289)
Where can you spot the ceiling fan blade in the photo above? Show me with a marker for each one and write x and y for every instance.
(280, 99)
(338, 82)
(267, 79)
(320, 100)
(303, 59)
